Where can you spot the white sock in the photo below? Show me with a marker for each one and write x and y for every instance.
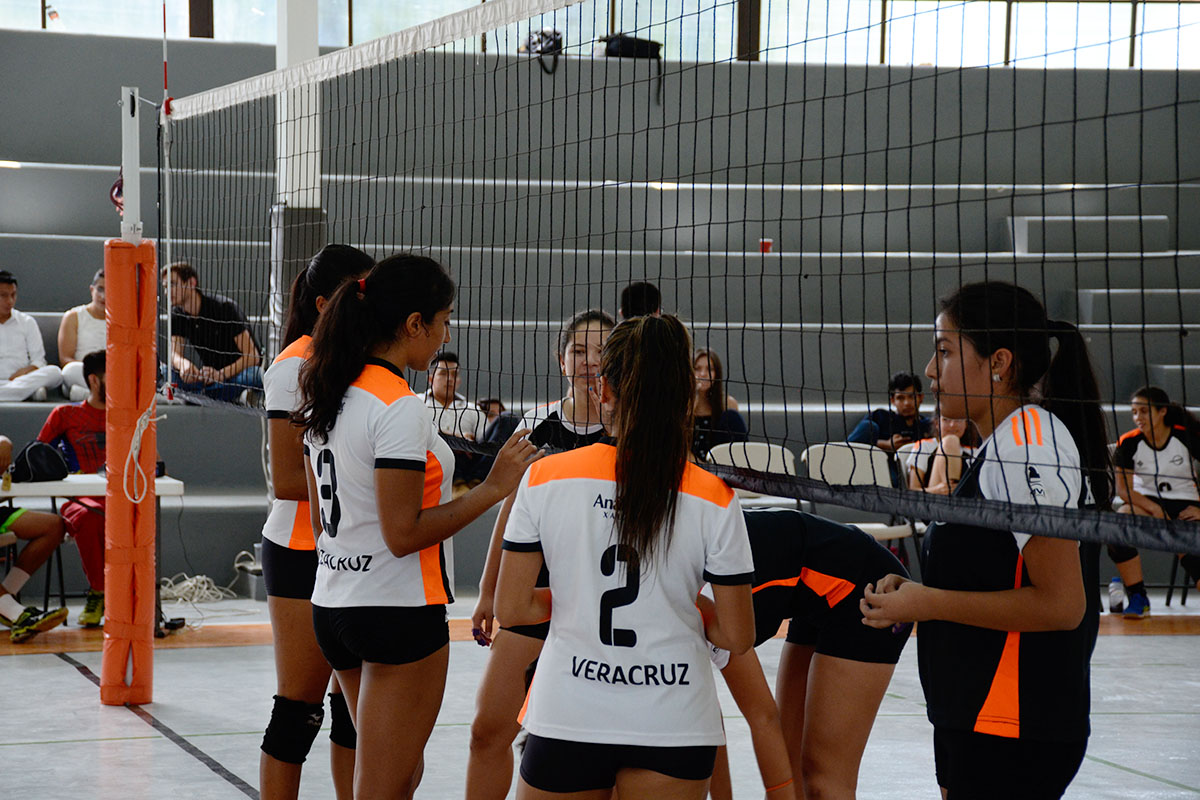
(15, 580)
(9, 607)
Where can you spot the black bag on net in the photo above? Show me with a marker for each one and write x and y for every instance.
(619, 45)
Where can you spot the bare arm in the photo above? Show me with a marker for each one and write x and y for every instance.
(484, 613)
(249, 357)
(68, 333)
(744, 677)
(314, 508)
(1055, 600)
(408, 528)
(1134, 499)
(286, 448)
(186, 369)
(729, 617)
(518, 601)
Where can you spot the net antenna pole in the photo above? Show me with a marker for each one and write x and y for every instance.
(131, 275)
(297, 216)
(165, 207)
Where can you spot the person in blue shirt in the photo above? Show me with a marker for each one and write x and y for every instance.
(891, 428)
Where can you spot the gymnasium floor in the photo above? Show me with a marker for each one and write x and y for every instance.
(213, 688)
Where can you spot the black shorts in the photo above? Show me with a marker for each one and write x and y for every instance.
(979, 766)
(558, 765)
(287, 572)
(379, 634)
(1172, 507)
(836, 552)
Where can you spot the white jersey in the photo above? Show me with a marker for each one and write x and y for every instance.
(460, 418)
(1167, 472)
(1031, 459)
(288, 523)
(382, 425)
(626, 661)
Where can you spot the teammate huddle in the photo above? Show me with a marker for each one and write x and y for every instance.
(623, 569)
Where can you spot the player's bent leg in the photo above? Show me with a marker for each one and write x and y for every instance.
(497, 703)
(302, 674)
(397, 707)
(842, 700)
(43, 532)
(791, 692)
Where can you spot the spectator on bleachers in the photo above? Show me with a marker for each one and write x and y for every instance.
(24, 373)
(640, 299)
(492, 408)
(716, 418)
(77, 429)
(454, 415)
(43, 533)
(937, 462)
(891, 428)
(1155, 478)
(214, 325)
(82, 331)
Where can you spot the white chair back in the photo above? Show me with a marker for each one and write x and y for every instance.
(760, 456)
(848, 464)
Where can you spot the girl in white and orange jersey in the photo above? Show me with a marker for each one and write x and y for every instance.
(289, 557)
(624, 695)
(379, 484)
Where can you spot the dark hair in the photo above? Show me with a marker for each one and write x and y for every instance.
(646, 365)
(483, 402)
(994, 315)
(903, 380)
(716, 389)
(93, 364)
(639, 299)
(449, 356)
(580, 320)
(184, 270)
(1177, 416)
(99, 274)
(355, 322)
(325, 273)
(7, 277)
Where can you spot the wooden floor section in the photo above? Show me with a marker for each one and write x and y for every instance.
(79, 640)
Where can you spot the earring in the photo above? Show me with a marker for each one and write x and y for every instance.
(995, 377)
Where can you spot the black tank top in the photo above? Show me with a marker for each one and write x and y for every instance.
(1032, 686)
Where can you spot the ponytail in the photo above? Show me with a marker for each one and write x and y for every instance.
(325, 272)
(359, 317)
(647, 366)
(994, 315)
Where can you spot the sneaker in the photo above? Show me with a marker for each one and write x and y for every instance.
(39, 395)
(93, 610)
(1137, 607)
(34, 621)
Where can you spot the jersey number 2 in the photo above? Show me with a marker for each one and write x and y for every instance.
(621, 596)
(328, 492)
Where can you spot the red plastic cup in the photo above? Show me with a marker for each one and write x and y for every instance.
(765, 245)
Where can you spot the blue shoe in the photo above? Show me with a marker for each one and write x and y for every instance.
(1138, 607)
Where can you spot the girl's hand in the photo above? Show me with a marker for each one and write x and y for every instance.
(892, 601)
(511, 462)
(482, 618)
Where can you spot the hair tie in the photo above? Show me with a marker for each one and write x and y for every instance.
(362, 285)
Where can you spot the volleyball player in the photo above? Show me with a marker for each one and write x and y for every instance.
(1155, 478)
(833, 670)
(379, 483)
(935, 465)
(624, 695)
(289, 556)
(1004, 643)
(574, 421)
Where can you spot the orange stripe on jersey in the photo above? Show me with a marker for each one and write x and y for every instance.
(699, 482)
(1016, 432)
(383, 383)
(525, 705)
(599, 462)
(779, 582)
(297, 349)
(431, 557)
(1001, 711)
(1129, 435)
(302, 533)
(1037, 424)
(834, 590)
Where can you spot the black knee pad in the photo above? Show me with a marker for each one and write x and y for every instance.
(1120, 553)
(341, 726)
(293, 727)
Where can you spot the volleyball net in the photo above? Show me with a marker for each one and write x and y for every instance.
(801, 181)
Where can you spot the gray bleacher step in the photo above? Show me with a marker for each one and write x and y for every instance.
(1126, 233)
(1139, 306)
(1180, 381)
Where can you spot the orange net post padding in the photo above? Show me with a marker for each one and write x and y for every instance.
(131, 284)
